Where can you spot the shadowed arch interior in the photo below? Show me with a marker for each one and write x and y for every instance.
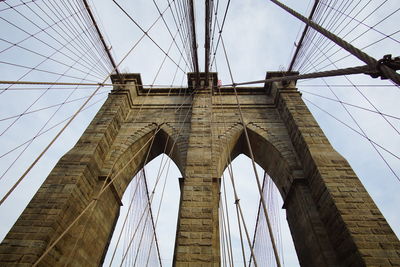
(300, 207)
(162, 183)
(325, 201)
(151, 144)
(265, 154)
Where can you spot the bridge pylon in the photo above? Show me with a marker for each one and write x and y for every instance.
(332, 218)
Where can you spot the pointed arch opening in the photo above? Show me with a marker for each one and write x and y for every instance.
(144, 234)
(148, 187)
(276, 165)
(273, 153)
(241, 172)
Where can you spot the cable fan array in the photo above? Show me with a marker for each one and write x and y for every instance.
(261, 241)
(138, 242)
(55, 66)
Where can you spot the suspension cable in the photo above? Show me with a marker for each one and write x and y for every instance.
(252, 159)
(73, 117)
(101, 36)
(359, 133)
(370, 61)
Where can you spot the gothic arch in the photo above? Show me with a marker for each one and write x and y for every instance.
(274, 154)
(153, 168)
(326, 204)
(130, 153)
(278, 158)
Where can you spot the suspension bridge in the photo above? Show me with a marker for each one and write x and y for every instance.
(70, 85)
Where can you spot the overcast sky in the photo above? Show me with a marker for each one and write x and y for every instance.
(258, 36)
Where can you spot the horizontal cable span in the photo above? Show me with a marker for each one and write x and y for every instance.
(389, 72)
(351, 105)
(56, 83)
(346, 71)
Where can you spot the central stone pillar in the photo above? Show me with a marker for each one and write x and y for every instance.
(197, 241)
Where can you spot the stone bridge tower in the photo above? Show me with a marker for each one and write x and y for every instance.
(333, 220)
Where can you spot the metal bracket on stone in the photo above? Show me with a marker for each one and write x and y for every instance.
(387, 60)
(277, 74)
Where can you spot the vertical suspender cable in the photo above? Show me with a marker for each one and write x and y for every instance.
(152, 218)
(264, 206)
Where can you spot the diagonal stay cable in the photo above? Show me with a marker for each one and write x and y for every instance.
(66, 29)
(357, 123)
(363, 48)
(303, 35)
(146, 32)
(360, 22)
(359, 133)
(50, 128)
(75, 114)
(76, 23)
(42, 128)
(277, 259)
(332, 46)
(36, 66)
(44, 56)
(100, 35)
(351, 105)
(61, 75)
(47, 33)
(84, 21)
(49, 107)
(182, 29)
(17, 5)
(335, 22)
(34, 36)
(359, 91)
(387, 71)
(170, 33)
(220, 29)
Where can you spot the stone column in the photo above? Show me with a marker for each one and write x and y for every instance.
(68, 189)
(355, 228)
(197, 241)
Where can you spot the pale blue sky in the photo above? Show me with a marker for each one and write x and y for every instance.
(259, 37)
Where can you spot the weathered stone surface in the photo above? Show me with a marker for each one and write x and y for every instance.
(333, 220)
